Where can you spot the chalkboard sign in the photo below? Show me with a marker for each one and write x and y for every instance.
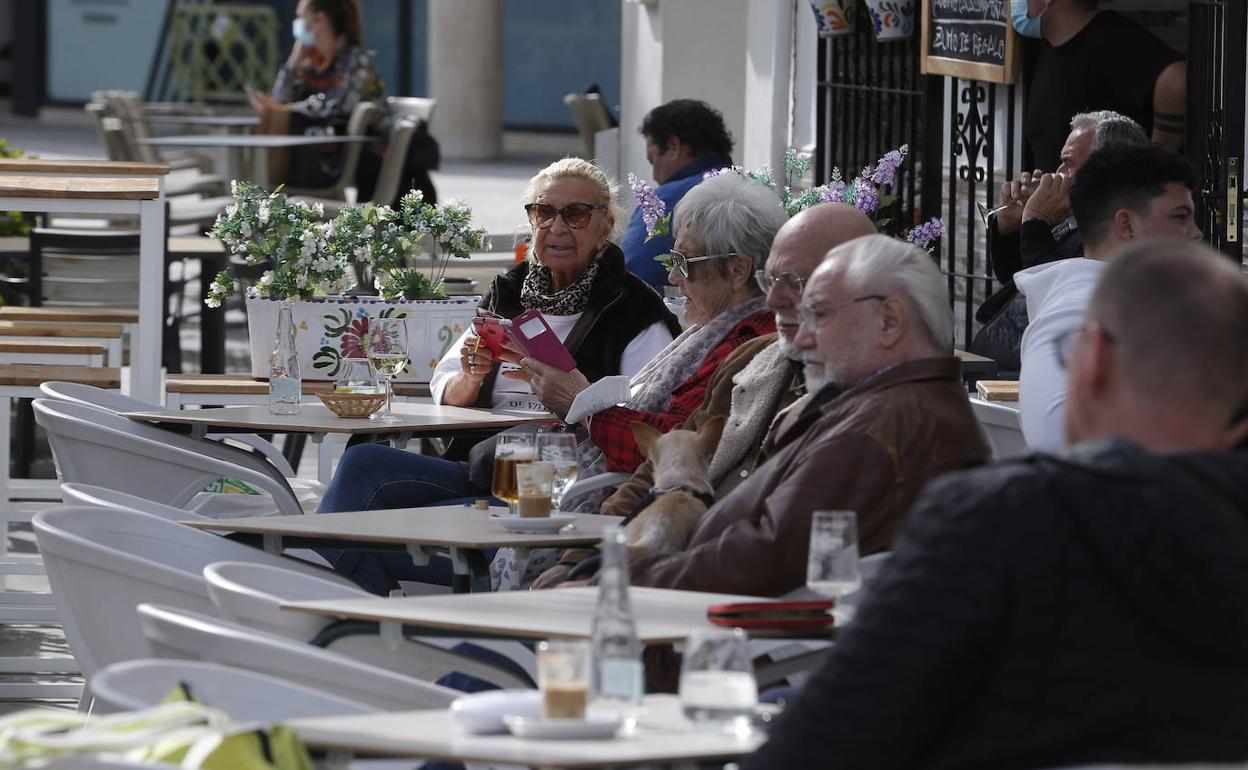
(969, 39)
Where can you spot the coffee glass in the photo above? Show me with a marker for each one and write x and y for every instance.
(563, 674)
(534, 481)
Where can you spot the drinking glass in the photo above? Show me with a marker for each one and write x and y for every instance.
(356, 375)
(533, 486)
(558, 449)
(563, 669)
(717, 687)
(832, 565)
(387, 350)
(509, 450)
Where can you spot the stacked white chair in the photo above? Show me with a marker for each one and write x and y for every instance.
(1002, 427)
(251, 595)
(102, 562)
(178, 633)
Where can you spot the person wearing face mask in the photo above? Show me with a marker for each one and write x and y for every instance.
(1096, 60)
(326, 75)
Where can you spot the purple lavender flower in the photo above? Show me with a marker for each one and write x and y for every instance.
(927, 233)
(866, 198)
(886, 168)
(833, 192)
(652, 206)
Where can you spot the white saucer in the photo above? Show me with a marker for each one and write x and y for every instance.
(563, 729)
(534, 526)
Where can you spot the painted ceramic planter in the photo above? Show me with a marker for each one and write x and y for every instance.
(330, 329)
(835, 17)
(891, 19)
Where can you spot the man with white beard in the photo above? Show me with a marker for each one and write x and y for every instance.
(869, 449)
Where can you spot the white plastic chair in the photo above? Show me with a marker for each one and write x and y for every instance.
(583, 486)
(103, 497)
(177, 633)
(1002, 428)
(118, 402)
(96, 446)
(251, 595)
(247, 696)
(102, 562)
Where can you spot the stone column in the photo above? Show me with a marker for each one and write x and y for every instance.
(466, 77)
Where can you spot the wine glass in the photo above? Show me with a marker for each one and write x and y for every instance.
(510, 449)
(717, 686)
(387, 350)
(832, 565)
(558, 449)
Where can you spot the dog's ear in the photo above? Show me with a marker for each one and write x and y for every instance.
(708, 435)
(645, 435)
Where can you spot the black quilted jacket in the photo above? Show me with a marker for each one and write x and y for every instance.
(1046, 613)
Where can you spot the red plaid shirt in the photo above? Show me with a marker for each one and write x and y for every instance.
(611, 428)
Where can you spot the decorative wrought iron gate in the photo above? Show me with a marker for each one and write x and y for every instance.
(1215, 118)
(872, 98)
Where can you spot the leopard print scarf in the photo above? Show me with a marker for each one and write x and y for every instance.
(538, 290)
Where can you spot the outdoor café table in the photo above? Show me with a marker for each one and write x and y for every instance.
(663, 737)
(236, 143)
(104, 187)
(466, 533)
(228, 122)
(663, 615)
(416, 421)
(976, 367)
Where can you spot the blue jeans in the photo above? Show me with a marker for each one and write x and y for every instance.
(372, 477)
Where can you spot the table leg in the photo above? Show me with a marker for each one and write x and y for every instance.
(272, 543)
(234, 161)
(324, 458)
(470, 571)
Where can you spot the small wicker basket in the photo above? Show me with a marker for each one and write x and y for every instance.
(353, 404)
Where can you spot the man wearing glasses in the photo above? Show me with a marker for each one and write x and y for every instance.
(1087, 609)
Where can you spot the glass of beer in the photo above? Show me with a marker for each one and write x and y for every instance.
(558, 449)
(563, 677)
(510, 449)
(533, 488)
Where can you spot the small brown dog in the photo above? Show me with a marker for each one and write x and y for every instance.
(682, 488)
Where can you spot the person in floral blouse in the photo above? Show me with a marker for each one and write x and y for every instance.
(328, 72)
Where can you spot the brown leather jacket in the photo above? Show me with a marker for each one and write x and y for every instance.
(870, 450)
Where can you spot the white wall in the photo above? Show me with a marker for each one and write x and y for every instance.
(680, 49)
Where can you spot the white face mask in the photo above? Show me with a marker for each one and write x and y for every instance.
(1024, 24)
(302, 34)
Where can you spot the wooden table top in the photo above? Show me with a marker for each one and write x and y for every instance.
(34, 375)
(80, 166)
(243, 384)
(56, 347)
(46, 314)
(175, 245)
(137, 188)
(663, 616)
(997, 390)
(663, 737)
(10, 328)
(316, 418)
(971, 357)
(443, 526)
(263, 141)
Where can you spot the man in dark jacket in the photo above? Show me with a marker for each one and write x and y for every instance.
(1083, 609)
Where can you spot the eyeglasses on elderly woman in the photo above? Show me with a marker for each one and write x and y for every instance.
(575, 215)
(680, 263)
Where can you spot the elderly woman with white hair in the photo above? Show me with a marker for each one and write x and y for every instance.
(724, 228)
